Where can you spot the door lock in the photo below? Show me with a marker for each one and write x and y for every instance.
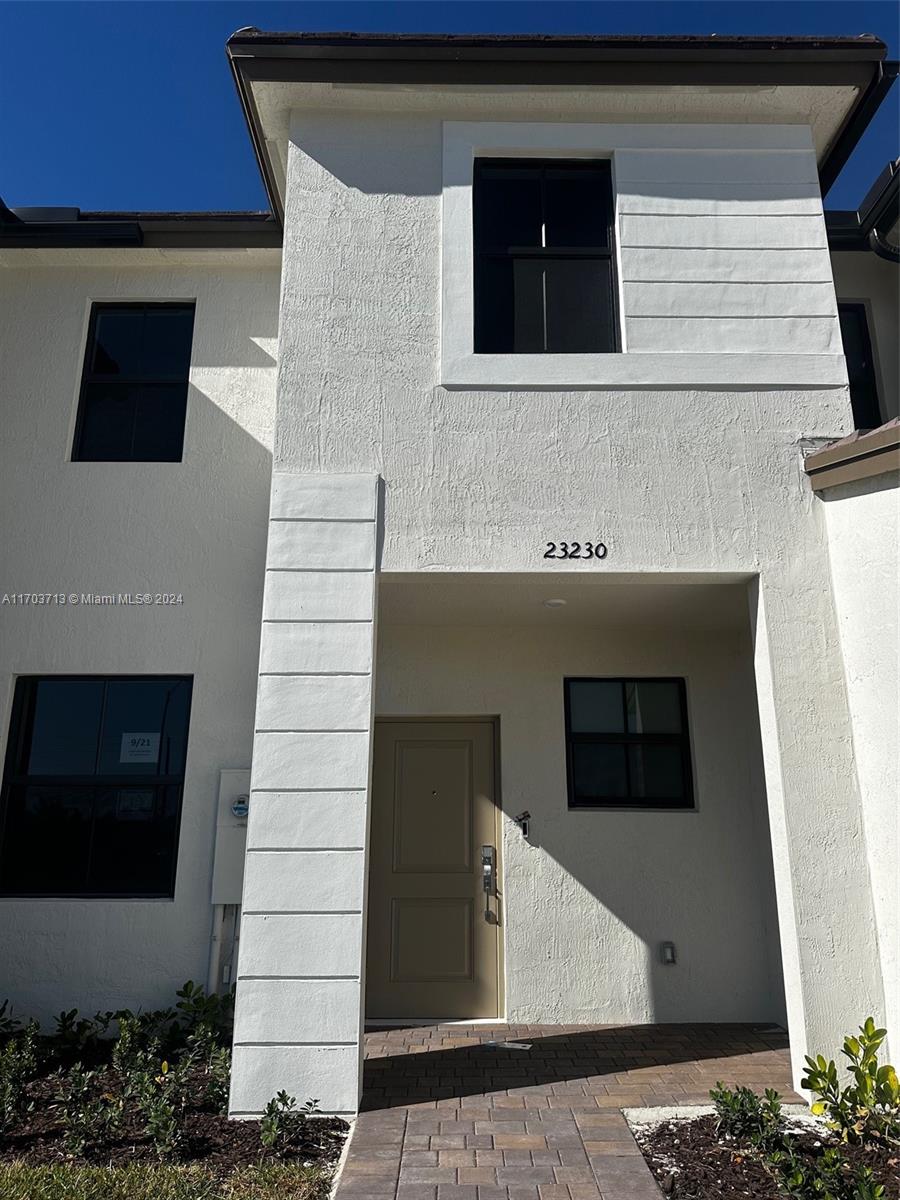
(488, 877)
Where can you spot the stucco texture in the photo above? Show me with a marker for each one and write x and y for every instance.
(671, 478)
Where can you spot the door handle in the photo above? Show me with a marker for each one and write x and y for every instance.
(488, 877)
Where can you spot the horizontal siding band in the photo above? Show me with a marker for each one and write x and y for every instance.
(713, 199)
(747, 335)
(666, 299)
(715, 232)
(716, 166)
(713, 266)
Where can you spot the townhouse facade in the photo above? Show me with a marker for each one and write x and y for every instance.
(470, 590)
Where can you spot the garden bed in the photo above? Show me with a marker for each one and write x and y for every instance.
(691, 1160)
(134, 1105)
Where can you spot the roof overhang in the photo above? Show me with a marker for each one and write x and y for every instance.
(833, 84)
(69, 228)
(874, 226)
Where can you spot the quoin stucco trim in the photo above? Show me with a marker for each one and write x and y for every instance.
(298, 1013)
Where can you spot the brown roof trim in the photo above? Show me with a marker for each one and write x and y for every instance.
(859, 456)
(453, 59)
(69, 228)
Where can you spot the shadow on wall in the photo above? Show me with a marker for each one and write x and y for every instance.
(592, 893)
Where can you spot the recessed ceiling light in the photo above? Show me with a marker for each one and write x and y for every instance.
(554, 603)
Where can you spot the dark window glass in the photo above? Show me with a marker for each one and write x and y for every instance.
(627, 743)
(93, 785)
(135, 382)
(860, 366)
(544, 277)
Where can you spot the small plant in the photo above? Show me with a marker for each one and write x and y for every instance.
(8, 1023)
(743, 1115)
(198, 1010)
(869, 1107)
(281, 1122)
(163, 1125)
(87, 1118)
(18, 1066)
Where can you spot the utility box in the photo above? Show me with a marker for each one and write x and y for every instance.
(231, 837)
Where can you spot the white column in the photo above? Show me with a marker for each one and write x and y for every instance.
(829, 943)
(299, 986)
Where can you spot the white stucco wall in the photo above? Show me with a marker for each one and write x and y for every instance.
(863, 522)
(864, 277)
(672, 477)
(197, 527)
(588, 900)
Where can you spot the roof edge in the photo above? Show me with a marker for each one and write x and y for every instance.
(187, 230)
(448, 59)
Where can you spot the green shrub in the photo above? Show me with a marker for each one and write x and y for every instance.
(281, 1122)
(18, 1066)
(87, 1117)
(742, 1115)
(868, 1107)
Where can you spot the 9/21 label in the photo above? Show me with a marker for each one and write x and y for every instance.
(576, 550)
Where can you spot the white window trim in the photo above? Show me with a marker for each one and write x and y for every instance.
(464, 141)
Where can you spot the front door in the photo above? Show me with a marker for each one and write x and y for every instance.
(433, 931)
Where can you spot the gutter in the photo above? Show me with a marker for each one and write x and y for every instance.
(857, 122)
(862, 230)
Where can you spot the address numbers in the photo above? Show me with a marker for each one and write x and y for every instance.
(575, 550)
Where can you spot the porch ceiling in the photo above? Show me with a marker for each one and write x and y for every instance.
(712, 602)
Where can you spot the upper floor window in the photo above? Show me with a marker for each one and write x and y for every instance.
(860, 365)
(627, 743)
(544, 258)
(135, 383)
(92, 787)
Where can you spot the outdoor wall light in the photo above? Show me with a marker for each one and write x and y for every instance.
(555, 603)
(667, 954)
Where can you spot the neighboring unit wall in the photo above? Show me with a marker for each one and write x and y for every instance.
(863, 522)
(197, 528)
(864, 276)
(592, 894)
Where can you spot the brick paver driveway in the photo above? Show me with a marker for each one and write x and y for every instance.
(450, 1113)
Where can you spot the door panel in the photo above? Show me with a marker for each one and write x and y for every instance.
(432, 950)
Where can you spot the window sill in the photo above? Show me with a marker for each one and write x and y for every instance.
(731, 372)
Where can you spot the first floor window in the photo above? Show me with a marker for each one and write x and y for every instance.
(92, 785)
(135, 383)
(627, 743)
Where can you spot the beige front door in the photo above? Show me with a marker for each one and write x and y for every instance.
(433, 932)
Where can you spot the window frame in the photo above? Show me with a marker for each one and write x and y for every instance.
(608, 253)
(862, 309)
(20, 729)
(87, 378)
(629, 803)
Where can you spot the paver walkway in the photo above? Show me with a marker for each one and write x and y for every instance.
(449, 1116)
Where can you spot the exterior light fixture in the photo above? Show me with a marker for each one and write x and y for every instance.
(667, 954)
(555, 603)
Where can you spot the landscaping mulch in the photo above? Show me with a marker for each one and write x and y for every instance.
(690, 1161)
(221, 1146)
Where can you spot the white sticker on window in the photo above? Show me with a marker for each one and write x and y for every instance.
(139, 748)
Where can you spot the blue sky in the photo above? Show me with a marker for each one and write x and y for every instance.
(130, 105)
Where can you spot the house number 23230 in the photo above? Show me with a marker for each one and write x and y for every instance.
(575, 550)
